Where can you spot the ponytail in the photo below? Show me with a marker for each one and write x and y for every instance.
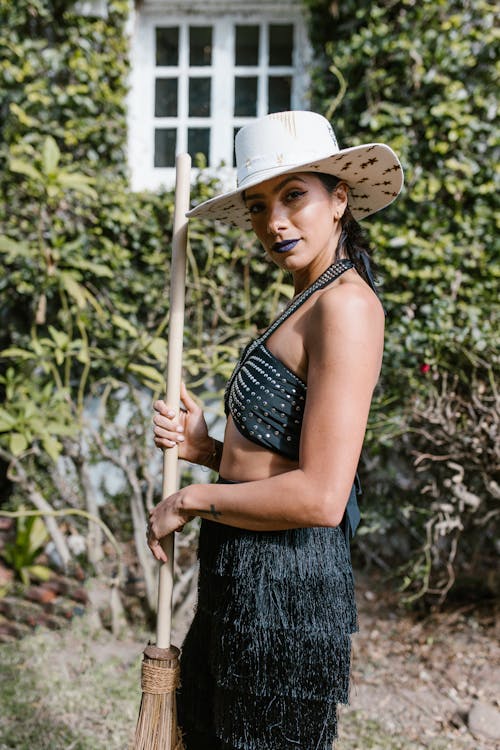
(353, 242)
(355, 245)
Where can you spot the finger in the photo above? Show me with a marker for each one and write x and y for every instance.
(160, 406)
(164, 422)
(168, 435)
(165, 414)
(164, 444)
(158, 551)
(164, 425)
(153, 541)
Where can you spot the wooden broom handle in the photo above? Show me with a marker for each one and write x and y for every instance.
(174, 376)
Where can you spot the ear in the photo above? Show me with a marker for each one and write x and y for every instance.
(340, 197)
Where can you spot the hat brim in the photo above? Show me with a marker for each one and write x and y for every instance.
(372, 172)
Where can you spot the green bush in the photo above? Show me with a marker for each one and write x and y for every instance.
(86, 262)
(419, 76)
(84, 281)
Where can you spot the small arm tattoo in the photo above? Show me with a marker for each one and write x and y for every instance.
(214, 512)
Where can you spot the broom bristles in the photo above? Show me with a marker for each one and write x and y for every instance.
(157, 723)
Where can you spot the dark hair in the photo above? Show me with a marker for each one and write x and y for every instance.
(353, 241)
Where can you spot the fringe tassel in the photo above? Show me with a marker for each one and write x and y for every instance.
(297, 579)
(275, 724)
(267, 658)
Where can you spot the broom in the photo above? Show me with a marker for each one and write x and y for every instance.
(157, 723)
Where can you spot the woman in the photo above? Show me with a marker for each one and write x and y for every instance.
(267, 658)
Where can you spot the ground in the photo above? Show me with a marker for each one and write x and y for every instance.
(422, 683)
(417, 683)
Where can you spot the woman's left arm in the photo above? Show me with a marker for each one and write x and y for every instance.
(344, 344)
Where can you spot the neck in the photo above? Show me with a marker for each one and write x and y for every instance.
(304, 278)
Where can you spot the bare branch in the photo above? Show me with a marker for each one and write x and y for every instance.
(17, 473)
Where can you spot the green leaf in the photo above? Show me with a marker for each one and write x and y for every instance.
(17, 443)
(41, 572)
(21, 115)
(60, 337)
(14, 249)
(38, 534)
(148, 372)
(23, 167)
(83, 355)
(15, 352)
(74, 289)
(53, 190)
(24, 575)
(59, 356)
(50, 156)
(7, 421)
(286, 290)
(96, 268)
(158, 348)
(78, 182)
(125, 325)
(52, 447)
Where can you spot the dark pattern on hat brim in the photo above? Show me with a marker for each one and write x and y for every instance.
(372, 172)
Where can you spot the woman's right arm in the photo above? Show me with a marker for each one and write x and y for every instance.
(189, 432)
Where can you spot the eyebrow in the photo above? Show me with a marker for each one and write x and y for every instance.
(278, 187)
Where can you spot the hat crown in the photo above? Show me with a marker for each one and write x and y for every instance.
(288, 142)
(280, 141)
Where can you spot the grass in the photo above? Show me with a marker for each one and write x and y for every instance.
(62, 691)
(80, 690)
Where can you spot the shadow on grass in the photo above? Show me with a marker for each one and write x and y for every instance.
(68, 690)
(25, 721)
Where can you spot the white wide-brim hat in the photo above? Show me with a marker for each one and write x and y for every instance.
(305, 142)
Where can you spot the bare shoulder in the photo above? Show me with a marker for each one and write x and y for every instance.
(350, 307)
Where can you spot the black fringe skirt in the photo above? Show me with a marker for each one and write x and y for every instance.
(267, 657)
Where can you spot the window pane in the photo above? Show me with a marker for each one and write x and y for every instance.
(247, 45)
(199, 97)
(166, 97)
(280, 45)
(200, 45)
(245, 97)
(167, 46)
(279, 93)
(165, 142)
(199, 142)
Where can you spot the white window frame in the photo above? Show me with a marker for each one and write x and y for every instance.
(141, 100)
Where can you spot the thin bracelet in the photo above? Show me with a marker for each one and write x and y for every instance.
(207, 464)
(214, 455)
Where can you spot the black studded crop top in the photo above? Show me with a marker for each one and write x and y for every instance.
(265, 398)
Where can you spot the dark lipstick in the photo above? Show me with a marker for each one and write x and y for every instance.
(284, 247)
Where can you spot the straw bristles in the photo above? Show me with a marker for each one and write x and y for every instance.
(157, 724)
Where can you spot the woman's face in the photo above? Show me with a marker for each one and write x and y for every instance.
(296, 219)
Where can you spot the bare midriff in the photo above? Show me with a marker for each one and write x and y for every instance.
(244, 461)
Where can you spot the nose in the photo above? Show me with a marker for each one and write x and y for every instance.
(277, 219)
